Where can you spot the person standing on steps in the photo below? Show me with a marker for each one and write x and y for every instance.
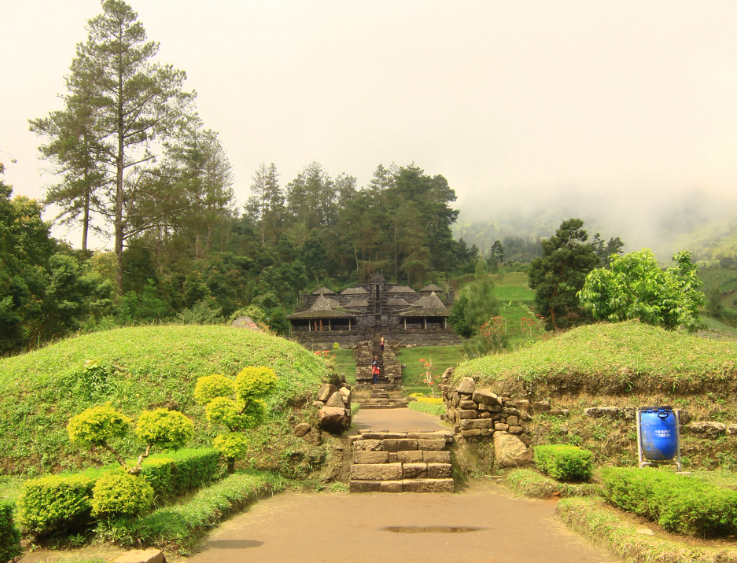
(375, 369)
(382, 344)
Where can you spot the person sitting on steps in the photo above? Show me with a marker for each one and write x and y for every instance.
(375, 369)
(382, 344)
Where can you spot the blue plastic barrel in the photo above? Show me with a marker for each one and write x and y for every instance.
(659, 433)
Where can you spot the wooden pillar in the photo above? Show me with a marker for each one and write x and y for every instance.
(320, 325)
(330, 325)
(405, 323)
(424, 323)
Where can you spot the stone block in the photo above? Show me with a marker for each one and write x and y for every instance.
(468, 405)
(711, 429)
(141, 556)
(446, 435)
(558, 412)
(393, 457)
(540, 406)
(325, 391)
(484, 415)
(510, 451)
(301, 429)
(376, 471)
(436, 457)
(479, 423)
(431, 445)
(370, 457)
(513, 420)
(486, 397)
(501, 427)
(334, 419)
(399, 445)
(414, 456)
(336, 400)
(390, 486)
(486, 432)
(362, 432)
(471, 432)
(428, 486)
(464, 414)
(467, 386)
(439, 470)
(515, 430)
(365, 486)
(520, 404)
(414, 470)
(367, 445)
(604, 412)
(384, 435)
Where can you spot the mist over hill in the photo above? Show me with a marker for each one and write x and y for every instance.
(666, 221)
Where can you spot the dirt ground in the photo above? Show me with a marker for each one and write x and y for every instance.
(483, 523)
(396, 420)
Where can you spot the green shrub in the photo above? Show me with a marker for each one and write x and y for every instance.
(54, 504)
(121, 494)
(165, 428)
(680, 504)
(9, 534)
(213, 386)
(181, 526)
(530, 483)
(565, 463)
(97, 426)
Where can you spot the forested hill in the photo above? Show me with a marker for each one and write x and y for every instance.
(208, 262)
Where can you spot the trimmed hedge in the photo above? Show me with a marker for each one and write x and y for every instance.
(9, 534)
(54, 504)
(58, 503)
(565, 463)
(604, 527)
(181, 526)
(680, 504)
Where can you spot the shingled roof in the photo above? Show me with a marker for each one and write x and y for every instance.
(354, 291)
(400, 289)
(323, 291)
(397, 302)
(430, 288)
(323, 308)
(429, 306)
(357, 303)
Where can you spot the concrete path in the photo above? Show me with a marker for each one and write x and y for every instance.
(482, 524)
(395, 420)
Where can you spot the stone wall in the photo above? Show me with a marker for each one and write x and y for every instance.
(482, 414)
(324, 340)
(421, 337)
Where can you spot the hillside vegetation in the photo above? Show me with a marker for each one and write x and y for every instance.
(134, 369)
(613, 359)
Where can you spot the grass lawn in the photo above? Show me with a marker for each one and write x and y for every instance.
(345, 363)
(442, 357)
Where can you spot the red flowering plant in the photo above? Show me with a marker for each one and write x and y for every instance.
(428, 377)
(494, 334)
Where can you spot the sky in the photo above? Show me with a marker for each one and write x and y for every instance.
(628, 106)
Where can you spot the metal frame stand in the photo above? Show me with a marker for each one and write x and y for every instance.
(652, 463)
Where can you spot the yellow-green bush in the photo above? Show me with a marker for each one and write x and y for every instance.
(98, 425)
(121, 494)
(430, 400)
(565, 463)
(255, 382)
(213, 386)
(165, 428)
(9, 535)
(54, 504)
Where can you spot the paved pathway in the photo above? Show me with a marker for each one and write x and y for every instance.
(352, 528)
(395, 420)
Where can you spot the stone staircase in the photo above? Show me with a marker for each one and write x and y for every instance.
(379, 396)
(396, 462)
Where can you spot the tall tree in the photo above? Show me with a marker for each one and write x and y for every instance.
(560, 274)
(136, 102)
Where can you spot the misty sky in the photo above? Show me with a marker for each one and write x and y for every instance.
(623, 104)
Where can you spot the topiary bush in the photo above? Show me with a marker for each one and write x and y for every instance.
(9, 534)
(121, 494)
(679, 503)
(243, 409)
(55, 503)
(98, 426)
(565, 463)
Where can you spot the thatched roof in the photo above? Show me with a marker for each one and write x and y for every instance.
(430, 288)
(357, 303)
(354, 291)
(428, 306)
(323, 291)
(323, 308)
(400, 289)
(397, 302)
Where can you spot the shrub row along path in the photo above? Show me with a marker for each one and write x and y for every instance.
(482, 523)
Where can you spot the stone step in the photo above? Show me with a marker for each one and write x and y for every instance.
(403, 486)
(390, 405)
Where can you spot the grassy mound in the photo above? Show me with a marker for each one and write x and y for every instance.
(135, 369)
(612, 359)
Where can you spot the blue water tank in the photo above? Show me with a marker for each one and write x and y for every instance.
(659, 433)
